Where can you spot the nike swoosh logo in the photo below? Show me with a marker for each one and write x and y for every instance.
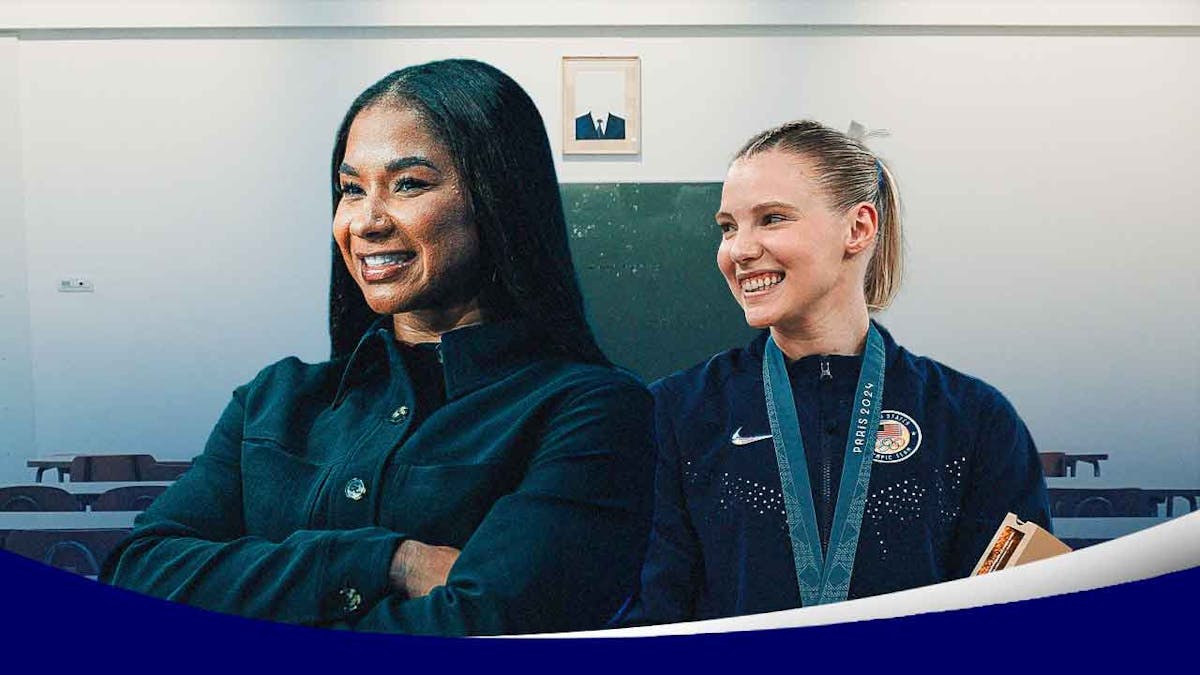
(738, 439)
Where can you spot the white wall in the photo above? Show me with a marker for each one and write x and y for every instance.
(142, 14)
(16, 374)
(1047, 177)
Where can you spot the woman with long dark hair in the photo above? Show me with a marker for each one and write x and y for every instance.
(468, 462)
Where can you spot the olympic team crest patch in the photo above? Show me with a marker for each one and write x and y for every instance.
(898, 437)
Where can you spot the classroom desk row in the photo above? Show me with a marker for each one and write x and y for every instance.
(80, 541)
(88, 493)
(1064, 528)
(1072, 497)
(67, 520)
(61, 463)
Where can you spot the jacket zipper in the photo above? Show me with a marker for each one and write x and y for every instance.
(826, 463)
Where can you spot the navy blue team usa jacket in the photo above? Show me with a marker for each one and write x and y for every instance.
(952, 457)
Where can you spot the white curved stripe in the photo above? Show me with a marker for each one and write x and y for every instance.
(1165, 548)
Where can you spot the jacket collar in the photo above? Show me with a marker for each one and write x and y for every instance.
(472, 357)
(759, 344)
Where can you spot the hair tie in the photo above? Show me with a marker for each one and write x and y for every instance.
(879, 175)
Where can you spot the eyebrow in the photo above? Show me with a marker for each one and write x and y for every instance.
(765, 206)
(398, 164)
(773, 205)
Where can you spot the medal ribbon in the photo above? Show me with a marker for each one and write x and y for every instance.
(824, 578)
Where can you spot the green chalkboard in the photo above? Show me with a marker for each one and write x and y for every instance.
(646, 257)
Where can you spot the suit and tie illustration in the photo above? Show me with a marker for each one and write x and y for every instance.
(588, 127)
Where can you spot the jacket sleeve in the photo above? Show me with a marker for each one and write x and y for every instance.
(562, 551)
(191, 546)
(674, 568)
(1006, 476)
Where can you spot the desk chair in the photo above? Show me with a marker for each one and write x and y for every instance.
(129, 498)
(78, 551)
(1102, 503)
(37, 498)
(111, 468)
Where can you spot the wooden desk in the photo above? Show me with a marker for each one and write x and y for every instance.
(100, 487)
(1093, 459)
(61, 463)
(1064, 528)
(67, 520)
(1114, 484)
(1101, 528)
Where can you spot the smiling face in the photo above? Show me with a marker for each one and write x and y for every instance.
(789, 258)
(404, 223)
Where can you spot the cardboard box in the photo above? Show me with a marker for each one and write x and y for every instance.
(1016, 543)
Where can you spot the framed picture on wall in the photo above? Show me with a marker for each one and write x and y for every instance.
(602, 105)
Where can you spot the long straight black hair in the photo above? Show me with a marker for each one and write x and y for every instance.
(493, 131)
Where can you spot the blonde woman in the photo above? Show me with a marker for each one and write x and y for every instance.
(822, 461)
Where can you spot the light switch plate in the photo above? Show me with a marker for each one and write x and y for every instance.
(75, 285)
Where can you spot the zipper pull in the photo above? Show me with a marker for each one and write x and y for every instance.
(825, 374)
(437, 350)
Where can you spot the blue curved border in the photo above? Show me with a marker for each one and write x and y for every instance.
(54, 617)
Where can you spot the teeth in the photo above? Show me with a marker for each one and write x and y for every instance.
(760, 282)
(385, 259)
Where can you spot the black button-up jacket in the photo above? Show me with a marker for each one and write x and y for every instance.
(538, 467)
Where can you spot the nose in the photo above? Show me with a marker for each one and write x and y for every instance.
(744, 246)
(372, 221)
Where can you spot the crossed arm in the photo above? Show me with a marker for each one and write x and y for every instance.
(560, 552)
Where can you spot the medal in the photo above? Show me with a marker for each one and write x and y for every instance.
(824, 578)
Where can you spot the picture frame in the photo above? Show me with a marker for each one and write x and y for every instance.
(602, 105)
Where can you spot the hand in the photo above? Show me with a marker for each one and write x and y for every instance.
(417, 568)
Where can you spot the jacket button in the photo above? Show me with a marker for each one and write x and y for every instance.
(399, 414)
(356, 489)
(351, 599)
